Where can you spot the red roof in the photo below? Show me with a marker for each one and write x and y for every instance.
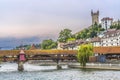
(106, 18)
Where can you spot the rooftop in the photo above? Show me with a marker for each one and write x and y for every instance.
(106, 18)
(111, 33)
(96, 39)
(107, 50)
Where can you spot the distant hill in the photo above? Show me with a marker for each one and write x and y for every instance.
(10, 43)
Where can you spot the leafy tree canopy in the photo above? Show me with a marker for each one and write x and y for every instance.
(89, 32)
(71, 39)
(117, 26)
(48, 44)
(84, 51)
(64, 35)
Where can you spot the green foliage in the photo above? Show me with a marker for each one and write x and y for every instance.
(90, 32)
(64, 35)
(84, 51)
(48, 44)
(117, 26)
(71, 39)
(28, 47)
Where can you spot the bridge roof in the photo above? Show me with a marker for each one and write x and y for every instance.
(101, 50)
(107, 50)
(32, 52)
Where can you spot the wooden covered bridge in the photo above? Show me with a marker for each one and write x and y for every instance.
(110, 52)
(55, 55)
(11, 55)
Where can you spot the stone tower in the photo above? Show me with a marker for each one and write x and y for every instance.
(95, 17)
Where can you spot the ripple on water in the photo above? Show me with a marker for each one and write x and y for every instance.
(33, 72)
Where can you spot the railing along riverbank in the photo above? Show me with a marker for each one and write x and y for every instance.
(102, 66)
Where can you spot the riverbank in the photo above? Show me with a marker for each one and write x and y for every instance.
(48, 62)
(76, 65)
(101, 66)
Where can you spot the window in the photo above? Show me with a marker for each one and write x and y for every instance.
(117, 44)
(112, 35)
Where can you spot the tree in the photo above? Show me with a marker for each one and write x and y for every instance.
(116, 26)
(84, 51)
(64, 35)
(71, 39)
(28, 47)
(48, 44)
(90, 32)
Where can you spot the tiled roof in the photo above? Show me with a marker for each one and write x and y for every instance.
(106, 18)
(96, 39)
(71, 44)
(107, 50)
(110, 33)
(32, 47)
(80, 41)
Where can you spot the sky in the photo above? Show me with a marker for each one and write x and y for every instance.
(46, 18)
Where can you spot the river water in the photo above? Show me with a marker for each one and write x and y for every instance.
(8, 71)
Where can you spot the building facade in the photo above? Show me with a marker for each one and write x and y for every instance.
(116, 22)
(73, 45)
(106, 22)
(111, 38)
(96, 41)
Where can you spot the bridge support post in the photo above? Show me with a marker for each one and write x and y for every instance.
(59, 66)
(4, 58)
(57, 60)
(21, 60)
(20, 66)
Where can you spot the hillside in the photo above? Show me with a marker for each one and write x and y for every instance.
(90, 32)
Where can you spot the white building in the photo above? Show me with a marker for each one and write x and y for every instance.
(116, 22)
(106, 22)
(96, 41)
(111, 38)
(71, 45)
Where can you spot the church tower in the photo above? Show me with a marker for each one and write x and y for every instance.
(95, 17)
